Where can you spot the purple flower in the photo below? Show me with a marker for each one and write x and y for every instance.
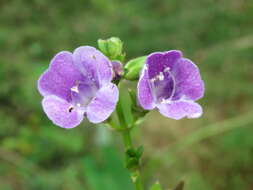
(172, 84)
(77, 85)
(117, 70)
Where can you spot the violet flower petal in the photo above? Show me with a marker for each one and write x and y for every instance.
(157, 62)
(103, 104)
(60, 112)
(145, 96)
(93, 64)
(60, 76)
(179, 109)
(188, 80)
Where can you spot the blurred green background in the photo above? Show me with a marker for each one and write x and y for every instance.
(213, 152)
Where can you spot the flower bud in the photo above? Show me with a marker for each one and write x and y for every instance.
(112, 48)
(133, 68)
(117, 70)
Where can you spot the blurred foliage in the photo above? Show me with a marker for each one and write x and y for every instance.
(35, 154)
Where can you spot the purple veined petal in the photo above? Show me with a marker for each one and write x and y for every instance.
(159, 61)
(103, 104)
(180, 109)
(188, 80)
(60, 77)
(145, 95)
(60, 112)
(163, 86)
(94, 64)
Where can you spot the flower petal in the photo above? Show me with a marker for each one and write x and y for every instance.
(188, 80)
(93, 64)
(179, 109)
(60, 112)
(157, 62)
(103, 104)
(60, 77)
(145, 95)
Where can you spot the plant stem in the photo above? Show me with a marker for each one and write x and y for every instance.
(127, 139)
(135, 171)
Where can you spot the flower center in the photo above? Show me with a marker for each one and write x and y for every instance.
(82, 94)
(163, 85)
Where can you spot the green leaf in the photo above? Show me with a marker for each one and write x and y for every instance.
(132, 163)
(133, 68)
(139, 151)
(156, 186)
(131, 152)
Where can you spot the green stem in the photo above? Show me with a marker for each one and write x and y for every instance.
(127, 139)
(135, 171)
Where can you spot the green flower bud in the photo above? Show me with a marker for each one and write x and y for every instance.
(133, 68)
(112, 48)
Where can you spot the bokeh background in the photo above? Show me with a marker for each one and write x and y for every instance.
(213, 152)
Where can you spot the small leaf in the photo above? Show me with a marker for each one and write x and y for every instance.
(139, 151)
(156, 186)
(132, 163)
(131, 152)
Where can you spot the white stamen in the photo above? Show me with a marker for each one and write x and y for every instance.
(158, 77)
(78, 105)
(167, 69)
(161, 76)
(75, 89)
(153, 79)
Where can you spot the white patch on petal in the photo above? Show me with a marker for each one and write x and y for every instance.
(196, 115)
(161, 76)
(167, 69)
(158, 77)
(166, 101)
(75, 89)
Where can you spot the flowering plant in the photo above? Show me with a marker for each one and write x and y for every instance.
(89, 83)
